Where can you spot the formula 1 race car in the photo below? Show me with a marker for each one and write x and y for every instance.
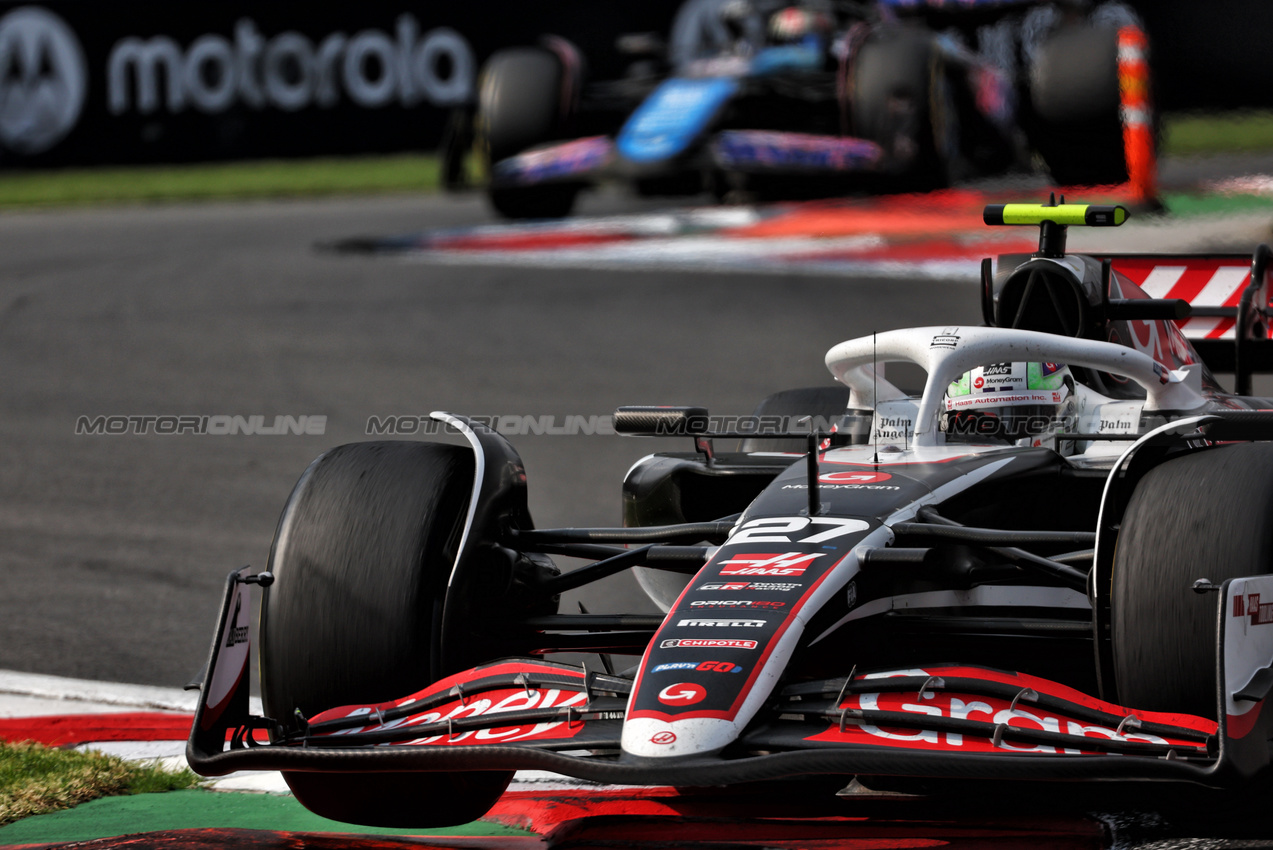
(774, 100)
(1049, 564)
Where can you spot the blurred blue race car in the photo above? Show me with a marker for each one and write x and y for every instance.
(764, 99)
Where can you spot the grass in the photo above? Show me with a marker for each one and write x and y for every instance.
(224, 180)
(1188, 134)
(35, 779)
(1184, 134)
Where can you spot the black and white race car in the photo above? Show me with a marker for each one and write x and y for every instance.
(1051, 564)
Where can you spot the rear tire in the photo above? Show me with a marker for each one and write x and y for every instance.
(1077, 127)
(520, 106)
(361, 561)
(1204, 515)
(898, 102)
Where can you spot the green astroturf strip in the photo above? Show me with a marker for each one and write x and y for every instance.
(1216, 204)
(214, 181)
(112, 816)
(1186, 134)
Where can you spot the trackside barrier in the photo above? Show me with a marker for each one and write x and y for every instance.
(1136, 112)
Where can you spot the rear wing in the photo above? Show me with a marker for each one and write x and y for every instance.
(1229, 295)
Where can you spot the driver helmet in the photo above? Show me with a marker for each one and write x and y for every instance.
(1022, 403)
(797, 23)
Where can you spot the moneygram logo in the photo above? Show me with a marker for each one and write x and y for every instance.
(43, 80)
(290, 71)
(685, 693)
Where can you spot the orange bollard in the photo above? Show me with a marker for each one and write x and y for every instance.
(1136, 111)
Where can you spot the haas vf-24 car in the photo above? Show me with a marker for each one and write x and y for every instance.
(1052, 563)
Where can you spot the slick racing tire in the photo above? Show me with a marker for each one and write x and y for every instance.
(826, 403)
(520, 106)
(1204, 515)
(550, 201)
(361, 560)
(899, 102)
(1074, 95)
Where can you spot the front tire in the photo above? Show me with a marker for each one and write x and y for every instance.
(361, 561)
(520, 105)
(1203, 515)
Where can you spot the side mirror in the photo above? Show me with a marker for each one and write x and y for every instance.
(658, 421)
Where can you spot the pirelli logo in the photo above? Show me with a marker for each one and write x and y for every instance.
(722, 623)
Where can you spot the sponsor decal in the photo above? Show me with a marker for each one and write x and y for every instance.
(800, 529)
(997, 369)
(1260, 614)
(1013, 397)
(44, 81)
(707, 643)
(663, 738)
(489, 703)
(768, 564)
(851, 595)
(979, 383)
(948, 338)
(236, 633)
(721, 623)
(736, 148)
(778, 586)
(563, 160)
(843, 487)
(1124, 425)
(683, 693)
(893, 427)
(853, 477)
(289, 71)
(701, 666)
(736, 603)
(968, 707)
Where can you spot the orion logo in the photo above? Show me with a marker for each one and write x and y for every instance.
(43, 80)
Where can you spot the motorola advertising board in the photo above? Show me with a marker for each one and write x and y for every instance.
(88, 83)
(148, 81)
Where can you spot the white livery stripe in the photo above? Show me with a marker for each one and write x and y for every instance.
(1224, 288)
(1199, 328)
(1160, 281)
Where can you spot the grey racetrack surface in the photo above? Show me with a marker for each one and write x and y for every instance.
(115, 547)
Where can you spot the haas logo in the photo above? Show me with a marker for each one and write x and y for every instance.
(43, 80)
(684, 693)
